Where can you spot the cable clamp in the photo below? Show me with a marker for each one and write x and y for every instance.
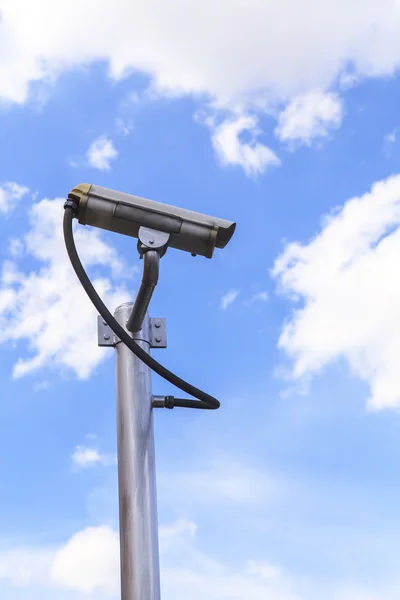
(72, 202)
(169, 402)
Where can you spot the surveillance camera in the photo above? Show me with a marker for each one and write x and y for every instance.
(124, 213)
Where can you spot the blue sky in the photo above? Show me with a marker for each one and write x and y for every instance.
(289, 127)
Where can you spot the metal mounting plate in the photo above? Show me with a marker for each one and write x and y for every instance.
(158, 333)
(105, 336)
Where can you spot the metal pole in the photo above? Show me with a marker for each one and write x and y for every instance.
(140, 573)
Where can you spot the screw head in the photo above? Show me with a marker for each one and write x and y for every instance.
(157, 324)
(158, 339)
(105, 323)
(151, 241)
(106, 336)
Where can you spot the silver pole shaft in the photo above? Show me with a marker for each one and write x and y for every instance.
(140, 573)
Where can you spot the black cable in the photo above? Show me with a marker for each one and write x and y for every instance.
(181, 402)
(172, 402)
(205, 401)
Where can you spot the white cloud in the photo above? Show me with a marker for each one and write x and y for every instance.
(89, 562)
(10, 194)
(25, 566)
(391, 137)
(123, 127)
(346, 279)
(84, 457)
(181, 527)
(255, 58)
(46, 307)
(134, 97)
(348, 79)
(309, 116)
(222, 481)
(190, 573)
(16, 247)
(101, 153)
(262, 296)
(252, 156)
(259, 297)
(229, 298)
(360, 594)
(41, 385)
(388, 592)
(87, 566)
(251, 49)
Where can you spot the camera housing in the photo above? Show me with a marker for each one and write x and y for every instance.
(124, 213)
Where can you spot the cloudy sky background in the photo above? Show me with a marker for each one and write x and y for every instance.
(284, 117)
